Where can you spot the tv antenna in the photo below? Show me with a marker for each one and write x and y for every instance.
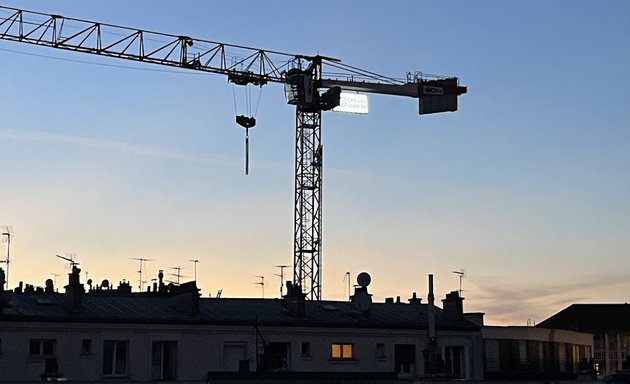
(55, 275)
(178, 274)
(195, 261)
(460, 273)
(281, 275)
(262, 284)
(142, 269)
(71, 259)
(7, 232)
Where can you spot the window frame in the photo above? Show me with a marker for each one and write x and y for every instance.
(164, 352)
(116, 344)
(379, 352)
(342, 349)
(305, 350)
(42, 346)
(86, 347)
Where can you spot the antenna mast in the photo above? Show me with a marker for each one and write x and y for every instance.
(195, 261)
(142, 262)
(281, 275)
(460, 273)
(179, 272)
(70, 259)
(7, 232)
(347, 277)
(262, 284)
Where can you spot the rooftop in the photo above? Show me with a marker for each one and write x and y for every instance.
(590, 318)
(159, 309)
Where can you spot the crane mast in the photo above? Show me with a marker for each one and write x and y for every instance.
(302, 76)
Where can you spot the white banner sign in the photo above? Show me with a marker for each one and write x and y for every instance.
(352, 103)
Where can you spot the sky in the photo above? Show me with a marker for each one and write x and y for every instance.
(525, 188)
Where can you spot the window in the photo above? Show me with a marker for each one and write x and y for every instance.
(380, 351)
(86, 347)
(342, 351)
(115, 357)
(235, 356)
(277, 357)
(306, 349)
(454, 361)
(164, 360)
(37, 347)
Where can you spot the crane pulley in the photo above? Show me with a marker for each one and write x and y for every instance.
(302, 76)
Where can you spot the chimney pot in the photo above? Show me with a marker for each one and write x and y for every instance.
(294, 301)
(415, 299)
(453, 305)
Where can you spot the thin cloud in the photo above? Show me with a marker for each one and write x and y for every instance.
(512, 301)
(119, 146)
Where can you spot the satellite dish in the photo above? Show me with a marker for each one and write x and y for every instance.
(364, 279)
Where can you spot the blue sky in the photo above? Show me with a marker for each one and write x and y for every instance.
(525, 187)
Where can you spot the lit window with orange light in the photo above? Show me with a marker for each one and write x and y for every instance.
(342, 351)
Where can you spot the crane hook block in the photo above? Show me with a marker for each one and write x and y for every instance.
(245, 122)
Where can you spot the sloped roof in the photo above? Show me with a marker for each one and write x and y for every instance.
(138, 308)
(591, 318)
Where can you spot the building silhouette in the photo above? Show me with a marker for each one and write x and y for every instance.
(170, 333)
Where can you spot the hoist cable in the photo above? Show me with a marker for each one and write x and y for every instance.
(258, 101)
(234, 98)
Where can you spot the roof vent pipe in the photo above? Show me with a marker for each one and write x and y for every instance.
(431, 309)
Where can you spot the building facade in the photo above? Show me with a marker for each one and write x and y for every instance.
(610, 325)
(171, 334)
(535, 353)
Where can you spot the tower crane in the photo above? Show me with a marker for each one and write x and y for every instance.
(306, 86)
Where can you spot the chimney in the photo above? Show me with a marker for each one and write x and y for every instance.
(475, 317)
(453, 306)
(185, 298)
(124, 287)
(415, 300)
(74, 290)
(161, 286)
(294, 301)
(50, 286)
(4, 297)
(362, 300)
